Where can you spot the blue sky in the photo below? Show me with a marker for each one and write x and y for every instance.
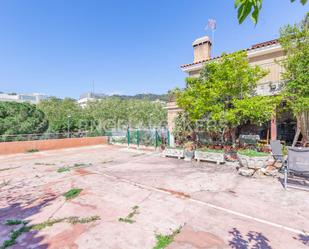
(59, 47)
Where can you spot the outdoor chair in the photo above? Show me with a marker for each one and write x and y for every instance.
(297, 168)
(276, 150)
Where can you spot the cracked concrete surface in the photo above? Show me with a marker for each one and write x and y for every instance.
(215, 207)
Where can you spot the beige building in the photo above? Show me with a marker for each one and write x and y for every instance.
(265, 54)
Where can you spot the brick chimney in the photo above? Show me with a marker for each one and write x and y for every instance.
(202, 49)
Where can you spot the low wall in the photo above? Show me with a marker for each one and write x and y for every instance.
(50, 144)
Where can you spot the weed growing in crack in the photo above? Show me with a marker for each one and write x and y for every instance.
(76, 165)
(82, 164)
(15, 222)
(47, 164)
(72, 193)
(74, 220)
(13, 236)
(32, 150)
(107, 161)
(63, 169)
(128, 218)
(164, 240)
(25, 228)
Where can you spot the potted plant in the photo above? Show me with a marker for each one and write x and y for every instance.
(253, 159)
(210, 155)
(189, 150)
(218, 146)
(173, 152)
(230, 152)
(227, 147)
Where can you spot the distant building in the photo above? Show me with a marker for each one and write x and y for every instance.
(266, 55)
(33, 98)
(88, 97)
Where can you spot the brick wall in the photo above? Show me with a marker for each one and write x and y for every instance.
(51, 144)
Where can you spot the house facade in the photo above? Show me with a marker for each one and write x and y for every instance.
(267, 55)
(33, 98)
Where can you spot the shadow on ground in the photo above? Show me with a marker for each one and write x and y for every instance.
(303, 239)
(252, 240)
(23, 211)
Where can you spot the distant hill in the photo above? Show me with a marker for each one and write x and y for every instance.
(148, 96)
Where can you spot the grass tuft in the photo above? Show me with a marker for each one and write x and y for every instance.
(128, 218)
(82, 164)
(25, 228)
(32, 150)
(15, 222)
(45, 224)
(63, 169)
(164, 240)
(14, 235)
(252, 153)
(72, 193)
(74, 220)
(47, 164)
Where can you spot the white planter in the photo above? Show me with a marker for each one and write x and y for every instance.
(173, 152)
(257, 162)
(216, 157)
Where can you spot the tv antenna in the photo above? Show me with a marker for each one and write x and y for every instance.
(212, 25)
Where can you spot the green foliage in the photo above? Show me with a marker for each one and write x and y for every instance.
(21, 118)
(164, 240)
(245, 7)
(14, 222)
(62, 114)
(72, 193)
(295, 41)
(256, 110)
(57, 115)
(223, 97)
(143, 96)
(63, 169)
(47, 223)
(220, 83)
(253, 7)
(50, 222)
(184, 127)
(252, 153)
(210, 150)
(72, 220)
(116, 112)
(13, 236)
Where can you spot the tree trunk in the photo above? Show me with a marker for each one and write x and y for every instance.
(304, 127)
(233, 135)
(301, 128)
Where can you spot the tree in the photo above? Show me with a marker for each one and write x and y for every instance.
(223, 95)
(63, 114)
(21, 118)
(253, 7)
(115, 112)
(295, 41)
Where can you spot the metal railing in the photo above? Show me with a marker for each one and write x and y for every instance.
(46, 136)
(139, 137)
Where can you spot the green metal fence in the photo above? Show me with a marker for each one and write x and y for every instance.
(139, 137)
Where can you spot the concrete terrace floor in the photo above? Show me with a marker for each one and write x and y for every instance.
(215, 207)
